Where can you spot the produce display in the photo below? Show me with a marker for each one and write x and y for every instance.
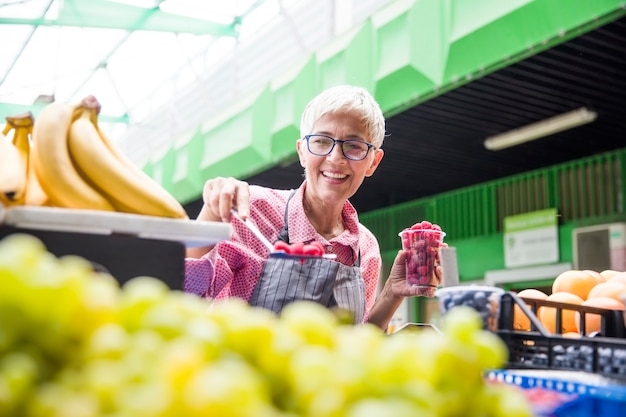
(422, 242)
(72, 164)
(74, 343)
(571, 289)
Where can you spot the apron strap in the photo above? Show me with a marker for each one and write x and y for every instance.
(284, 233)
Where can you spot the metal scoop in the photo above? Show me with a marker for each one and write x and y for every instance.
(255, 231)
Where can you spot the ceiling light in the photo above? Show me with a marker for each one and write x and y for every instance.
(540, 129)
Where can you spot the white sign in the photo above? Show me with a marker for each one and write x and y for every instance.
(531, 238)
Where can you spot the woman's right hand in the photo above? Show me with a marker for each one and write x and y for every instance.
(220, 195)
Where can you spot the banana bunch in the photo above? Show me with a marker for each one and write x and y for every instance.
(79, 167)
(12, 173)
(18, 182)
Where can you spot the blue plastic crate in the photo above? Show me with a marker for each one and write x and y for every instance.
(591, 405)
(594, 395)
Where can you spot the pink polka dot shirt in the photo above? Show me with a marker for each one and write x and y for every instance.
(233, 267)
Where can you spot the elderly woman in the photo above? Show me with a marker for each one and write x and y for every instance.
(342, 131)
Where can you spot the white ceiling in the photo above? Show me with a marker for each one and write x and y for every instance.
(155, 73)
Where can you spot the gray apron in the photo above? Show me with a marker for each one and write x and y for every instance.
(324, 281)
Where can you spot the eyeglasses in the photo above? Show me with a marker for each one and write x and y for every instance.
(321, 145)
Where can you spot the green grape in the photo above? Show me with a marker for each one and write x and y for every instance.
(59, 400)
(207, 333)
(147, 398)
(228, 387)
(500, 400)
(109, 341)
(179, 361)
(396, 407)
(138, 295)
(73, 343)
(20, 251)
(258, 327)
(461, 322)
(19, 374)
(310, 320)
(104, 378)
(491, 350)
(310, 369)
(10, 328)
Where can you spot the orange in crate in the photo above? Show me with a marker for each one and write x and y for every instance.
(593, 322)
(611, 289)
(574, 282)
(547, 315)
(520, 320)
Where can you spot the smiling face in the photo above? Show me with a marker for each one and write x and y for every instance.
(332, 179)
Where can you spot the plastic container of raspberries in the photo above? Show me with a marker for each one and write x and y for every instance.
(422, 242)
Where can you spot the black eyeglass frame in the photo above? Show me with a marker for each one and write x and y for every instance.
(335, 141)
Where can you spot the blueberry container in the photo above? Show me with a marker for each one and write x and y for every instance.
(484, 299)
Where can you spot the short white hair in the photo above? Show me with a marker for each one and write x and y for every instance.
(346, 98)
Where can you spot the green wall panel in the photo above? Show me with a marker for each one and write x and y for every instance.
(289, 95)
(163, 169)
(411, 49)
(186, 179)
(149, 169)
(475, 256)
(348, 59)
(241, 144)
(405, 53)
(479, 46)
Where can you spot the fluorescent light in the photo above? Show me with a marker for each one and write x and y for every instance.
(540, 129)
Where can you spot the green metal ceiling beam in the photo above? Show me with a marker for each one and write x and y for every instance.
(110, 15)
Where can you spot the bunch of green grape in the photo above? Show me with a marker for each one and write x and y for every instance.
(73, 343)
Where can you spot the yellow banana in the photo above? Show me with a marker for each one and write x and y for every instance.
(22, 125)
(127, 187)
(53, 165)
(12, 174)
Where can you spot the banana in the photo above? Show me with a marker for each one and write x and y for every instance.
(127, 187)
(53, 165)
(22, 125)
(12, 174)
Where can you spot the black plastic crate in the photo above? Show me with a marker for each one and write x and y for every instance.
(612, 321)
(538, 349)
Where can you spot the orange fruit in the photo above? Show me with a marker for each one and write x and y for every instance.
(547, 315)
(593, 321)
(608, 289)
(619, 277)
(596, 275)
(520, 321)
(571, 335)
(608, 273)
(574, 282)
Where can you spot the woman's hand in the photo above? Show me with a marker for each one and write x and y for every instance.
(397, 276)
(220, 195)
